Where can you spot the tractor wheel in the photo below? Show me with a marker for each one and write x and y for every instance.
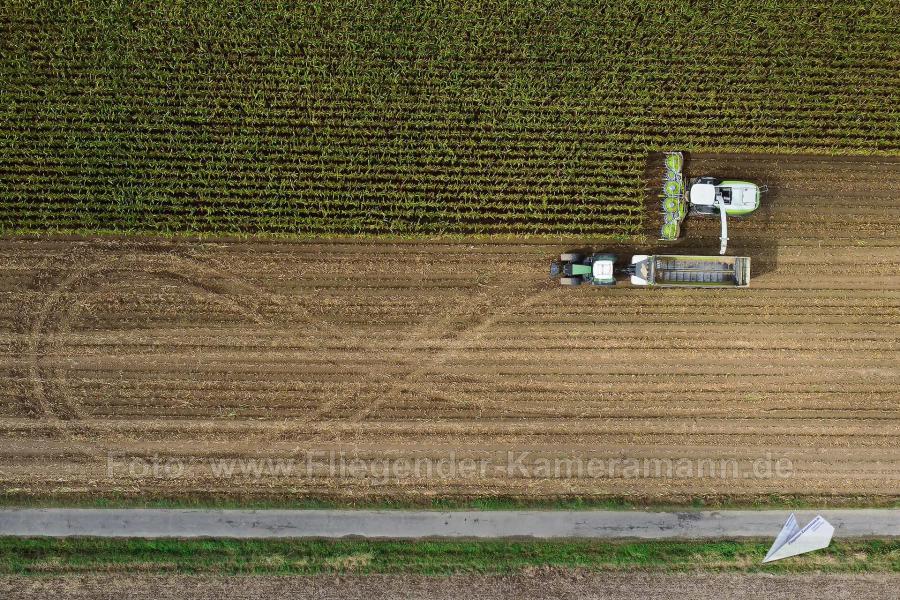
(570, 280)
(571, 257)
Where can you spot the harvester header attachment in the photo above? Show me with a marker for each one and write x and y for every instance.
(674, 204)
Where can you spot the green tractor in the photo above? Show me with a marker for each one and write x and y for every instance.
(574, 268)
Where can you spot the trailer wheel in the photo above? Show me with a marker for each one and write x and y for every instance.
(571, 257)
(570, 280)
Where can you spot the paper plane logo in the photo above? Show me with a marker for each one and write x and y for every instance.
(792, 540)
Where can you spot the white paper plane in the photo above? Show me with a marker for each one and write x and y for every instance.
(792, 540)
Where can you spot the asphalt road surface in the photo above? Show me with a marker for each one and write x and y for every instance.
(154, 523)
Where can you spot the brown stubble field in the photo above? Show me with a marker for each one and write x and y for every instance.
(544, 583)
(164, 349)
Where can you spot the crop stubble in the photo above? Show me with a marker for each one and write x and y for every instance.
(379, 350)
(545, 583)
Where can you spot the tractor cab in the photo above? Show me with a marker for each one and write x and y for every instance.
(603, 270)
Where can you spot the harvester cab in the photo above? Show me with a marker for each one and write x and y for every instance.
(708, 195)
(703, 196)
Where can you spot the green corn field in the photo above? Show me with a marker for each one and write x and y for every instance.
(409, 119)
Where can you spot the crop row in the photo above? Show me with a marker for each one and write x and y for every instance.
(407, 75)
(474, 127)
(463, 141)
(429, 91)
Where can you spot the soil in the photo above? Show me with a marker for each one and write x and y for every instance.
(542, 583)
(182, 352)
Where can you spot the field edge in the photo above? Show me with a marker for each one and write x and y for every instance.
(399, 502)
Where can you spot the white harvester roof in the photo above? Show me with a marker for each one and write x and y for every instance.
(703, 194)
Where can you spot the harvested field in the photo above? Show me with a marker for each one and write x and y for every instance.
(196, 352)
(543, 583)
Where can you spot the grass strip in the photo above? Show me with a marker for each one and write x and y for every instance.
(42, 556)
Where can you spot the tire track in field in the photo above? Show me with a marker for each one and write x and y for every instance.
(456, 321)
(472, 332)
(50, 395)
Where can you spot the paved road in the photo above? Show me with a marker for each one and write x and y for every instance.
(61, 522)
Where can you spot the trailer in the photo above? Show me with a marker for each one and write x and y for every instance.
(660, 270)
(664, 270)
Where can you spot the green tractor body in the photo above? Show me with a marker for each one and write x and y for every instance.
(574, 268)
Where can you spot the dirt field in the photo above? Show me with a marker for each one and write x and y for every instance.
(182, 354)
(542, 584)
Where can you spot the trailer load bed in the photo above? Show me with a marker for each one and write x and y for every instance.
(691, 271)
